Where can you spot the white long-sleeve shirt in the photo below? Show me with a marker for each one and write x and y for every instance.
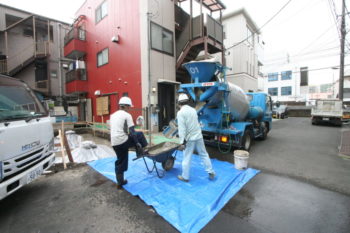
(188, 125)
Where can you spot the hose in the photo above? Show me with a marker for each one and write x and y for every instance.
(227, 120)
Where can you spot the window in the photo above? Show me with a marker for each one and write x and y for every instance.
(81, 33)
(273, 91)
(250, 36)
(101, 12)
(312, 89)
(272, 77)
(286, 90)
(51, 33)
(162, 39)
(102, 57)
(28, 31)
(346, 92)
(326, 88)
(304, 76)
(286, 75)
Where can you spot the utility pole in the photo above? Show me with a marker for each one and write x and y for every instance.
(342, 42)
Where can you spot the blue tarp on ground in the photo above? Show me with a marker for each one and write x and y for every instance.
(187, 206)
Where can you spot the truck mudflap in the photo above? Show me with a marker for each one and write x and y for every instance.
(8, 187)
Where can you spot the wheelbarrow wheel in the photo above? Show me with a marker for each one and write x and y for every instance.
(168, 164)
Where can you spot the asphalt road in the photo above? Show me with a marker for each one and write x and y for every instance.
(303, 187)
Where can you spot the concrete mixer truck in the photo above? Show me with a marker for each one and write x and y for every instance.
(229, 118)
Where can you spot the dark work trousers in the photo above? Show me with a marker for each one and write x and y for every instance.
(121, 164)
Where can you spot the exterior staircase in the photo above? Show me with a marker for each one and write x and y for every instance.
(192, 37)
(16, 63)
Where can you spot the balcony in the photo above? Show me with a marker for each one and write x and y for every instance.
(3, 66)
(76, 86)
(42, 86)
(75, 43)
(79, 74)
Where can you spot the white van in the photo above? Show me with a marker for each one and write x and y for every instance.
(26, 136)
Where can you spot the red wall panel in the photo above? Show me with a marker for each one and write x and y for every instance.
(76, 86)
(123, 71)
(74, 44)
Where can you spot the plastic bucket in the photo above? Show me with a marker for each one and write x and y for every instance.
(241, 159)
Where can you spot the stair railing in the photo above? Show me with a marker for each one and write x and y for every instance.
(29, 52)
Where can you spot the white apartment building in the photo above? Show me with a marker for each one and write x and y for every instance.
(287, 83)
(244, 52)
(346, 90)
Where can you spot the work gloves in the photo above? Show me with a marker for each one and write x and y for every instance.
(182, 146)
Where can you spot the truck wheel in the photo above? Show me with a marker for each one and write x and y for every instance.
(168, 164)
(314, 121)
(339, 122)
(265, 130)
(247, 140)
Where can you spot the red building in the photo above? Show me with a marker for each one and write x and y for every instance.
(111, 57)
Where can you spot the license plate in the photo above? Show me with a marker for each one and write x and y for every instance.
(34, 174)
(325, 118)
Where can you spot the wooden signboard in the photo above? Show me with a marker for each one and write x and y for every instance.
(102, 105)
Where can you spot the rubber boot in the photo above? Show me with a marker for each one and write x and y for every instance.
(121, 181)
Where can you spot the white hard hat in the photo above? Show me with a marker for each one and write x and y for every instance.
(183, 98)
(125, 101)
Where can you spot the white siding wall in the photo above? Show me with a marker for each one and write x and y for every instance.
(162, 65)
(242, 59)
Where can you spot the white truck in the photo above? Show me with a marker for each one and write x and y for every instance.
(327, 110)
(26, 136)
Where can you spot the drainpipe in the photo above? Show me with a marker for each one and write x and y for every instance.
(59, 59)
(34, 36)
(149, 79)
(191, 20)
(46, 49)
(7, 51)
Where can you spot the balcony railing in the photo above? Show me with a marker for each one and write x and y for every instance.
(75, 33)
(43, 84)
(212, 29)
(79, 74)
(3, 66)
(24, 57)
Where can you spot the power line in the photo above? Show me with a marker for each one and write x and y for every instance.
(335, 15)
(320, 36)
(306, 58)
(304, 54)
(268, 21)
(316, 69)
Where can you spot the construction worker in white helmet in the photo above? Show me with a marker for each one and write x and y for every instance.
(190, 136)
(123, 136)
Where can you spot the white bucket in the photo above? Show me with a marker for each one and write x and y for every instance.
(241, 159)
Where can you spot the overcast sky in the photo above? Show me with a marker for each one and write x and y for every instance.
(305, 29)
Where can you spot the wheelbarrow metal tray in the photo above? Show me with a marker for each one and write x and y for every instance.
(162, 151)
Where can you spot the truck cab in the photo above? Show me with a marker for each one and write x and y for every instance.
(26, 136)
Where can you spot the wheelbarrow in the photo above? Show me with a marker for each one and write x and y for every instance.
(164, 153)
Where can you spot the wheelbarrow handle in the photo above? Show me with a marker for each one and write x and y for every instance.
(139, 157)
